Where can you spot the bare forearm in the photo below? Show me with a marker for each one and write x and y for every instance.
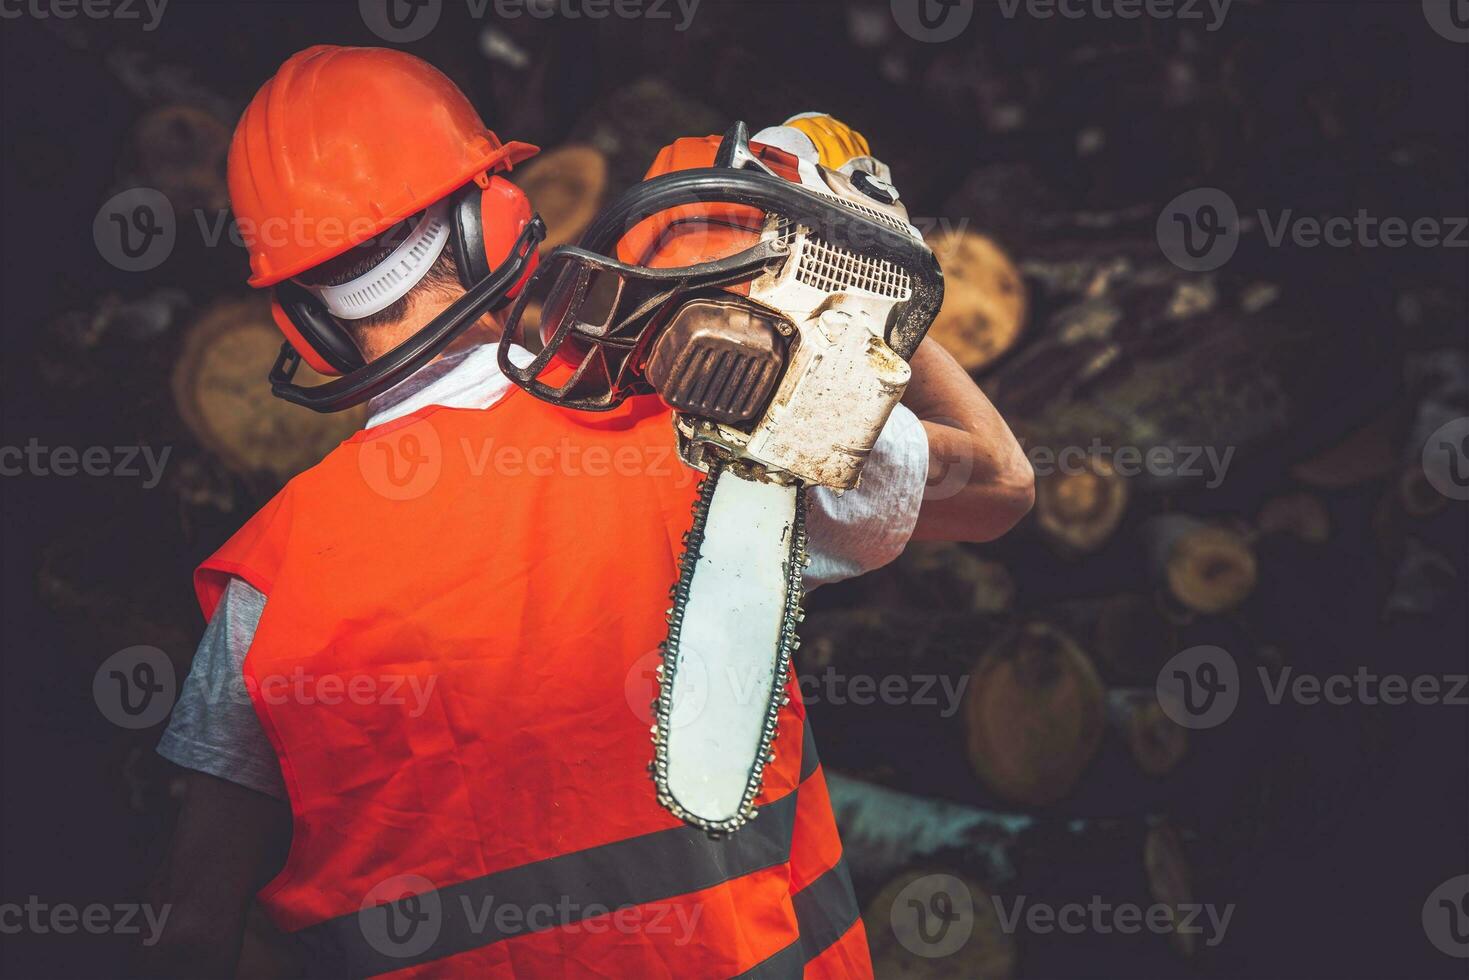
(227, 843)
(979, 481)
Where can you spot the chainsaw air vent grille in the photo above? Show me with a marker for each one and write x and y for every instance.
(876, 215)
(836, 270)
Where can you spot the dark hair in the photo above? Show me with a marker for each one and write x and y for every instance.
(443, 275)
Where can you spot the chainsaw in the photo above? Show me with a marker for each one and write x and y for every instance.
(782, 363)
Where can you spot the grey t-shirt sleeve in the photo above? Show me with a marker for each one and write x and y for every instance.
(214, 728)
(868, 526)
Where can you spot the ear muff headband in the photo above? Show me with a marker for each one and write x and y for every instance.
(373, 379)
(485, 224)
(391, 279)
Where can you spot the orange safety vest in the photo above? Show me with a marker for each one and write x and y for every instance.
(455, 668)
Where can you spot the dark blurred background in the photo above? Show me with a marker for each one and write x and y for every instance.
(1234, 488)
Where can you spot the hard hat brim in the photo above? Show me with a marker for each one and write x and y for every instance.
(497, 156)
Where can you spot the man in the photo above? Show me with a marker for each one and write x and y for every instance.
(443, 630)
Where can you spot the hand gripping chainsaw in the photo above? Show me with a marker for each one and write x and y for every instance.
(782, 363)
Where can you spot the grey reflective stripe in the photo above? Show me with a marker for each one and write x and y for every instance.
(559, 890)
(788, 964)
(825, 910)
(809, 759)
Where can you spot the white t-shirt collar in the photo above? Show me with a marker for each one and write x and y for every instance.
(465, 379)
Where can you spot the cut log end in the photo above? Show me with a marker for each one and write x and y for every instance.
(1212, 570)
(1419, 497)
(1079, 510)
(1170, 880)
(181, 151)
(1035, 711)
(1300, 514)
(1365, 454)
(1132, 637)
(220, 392)
(1206, 568)
(949, 577)
(937, 924)
(566, 186)
(984, 299)
(1158, 744)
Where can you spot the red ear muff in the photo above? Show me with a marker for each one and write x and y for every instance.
(487, 223)
(484, 226)
(494, 235)
(316, 335)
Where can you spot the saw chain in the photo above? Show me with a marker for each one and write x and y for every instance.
(671, 651)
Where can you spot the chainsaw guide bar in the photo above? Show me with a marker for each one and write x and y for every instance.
(689, 789)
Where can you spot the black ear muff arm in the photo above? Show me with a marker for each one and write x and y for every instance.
(318, 327)
(467, 236)
(385, 372)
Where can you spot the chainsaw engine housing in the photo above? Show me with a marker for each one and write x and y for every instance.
(787, 356)
(720, 358)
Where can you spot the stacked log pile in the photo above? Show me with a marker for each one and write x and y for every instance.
(1283, 401)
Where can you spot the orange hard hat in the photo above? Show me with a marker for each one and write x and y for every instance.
(342, 144)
